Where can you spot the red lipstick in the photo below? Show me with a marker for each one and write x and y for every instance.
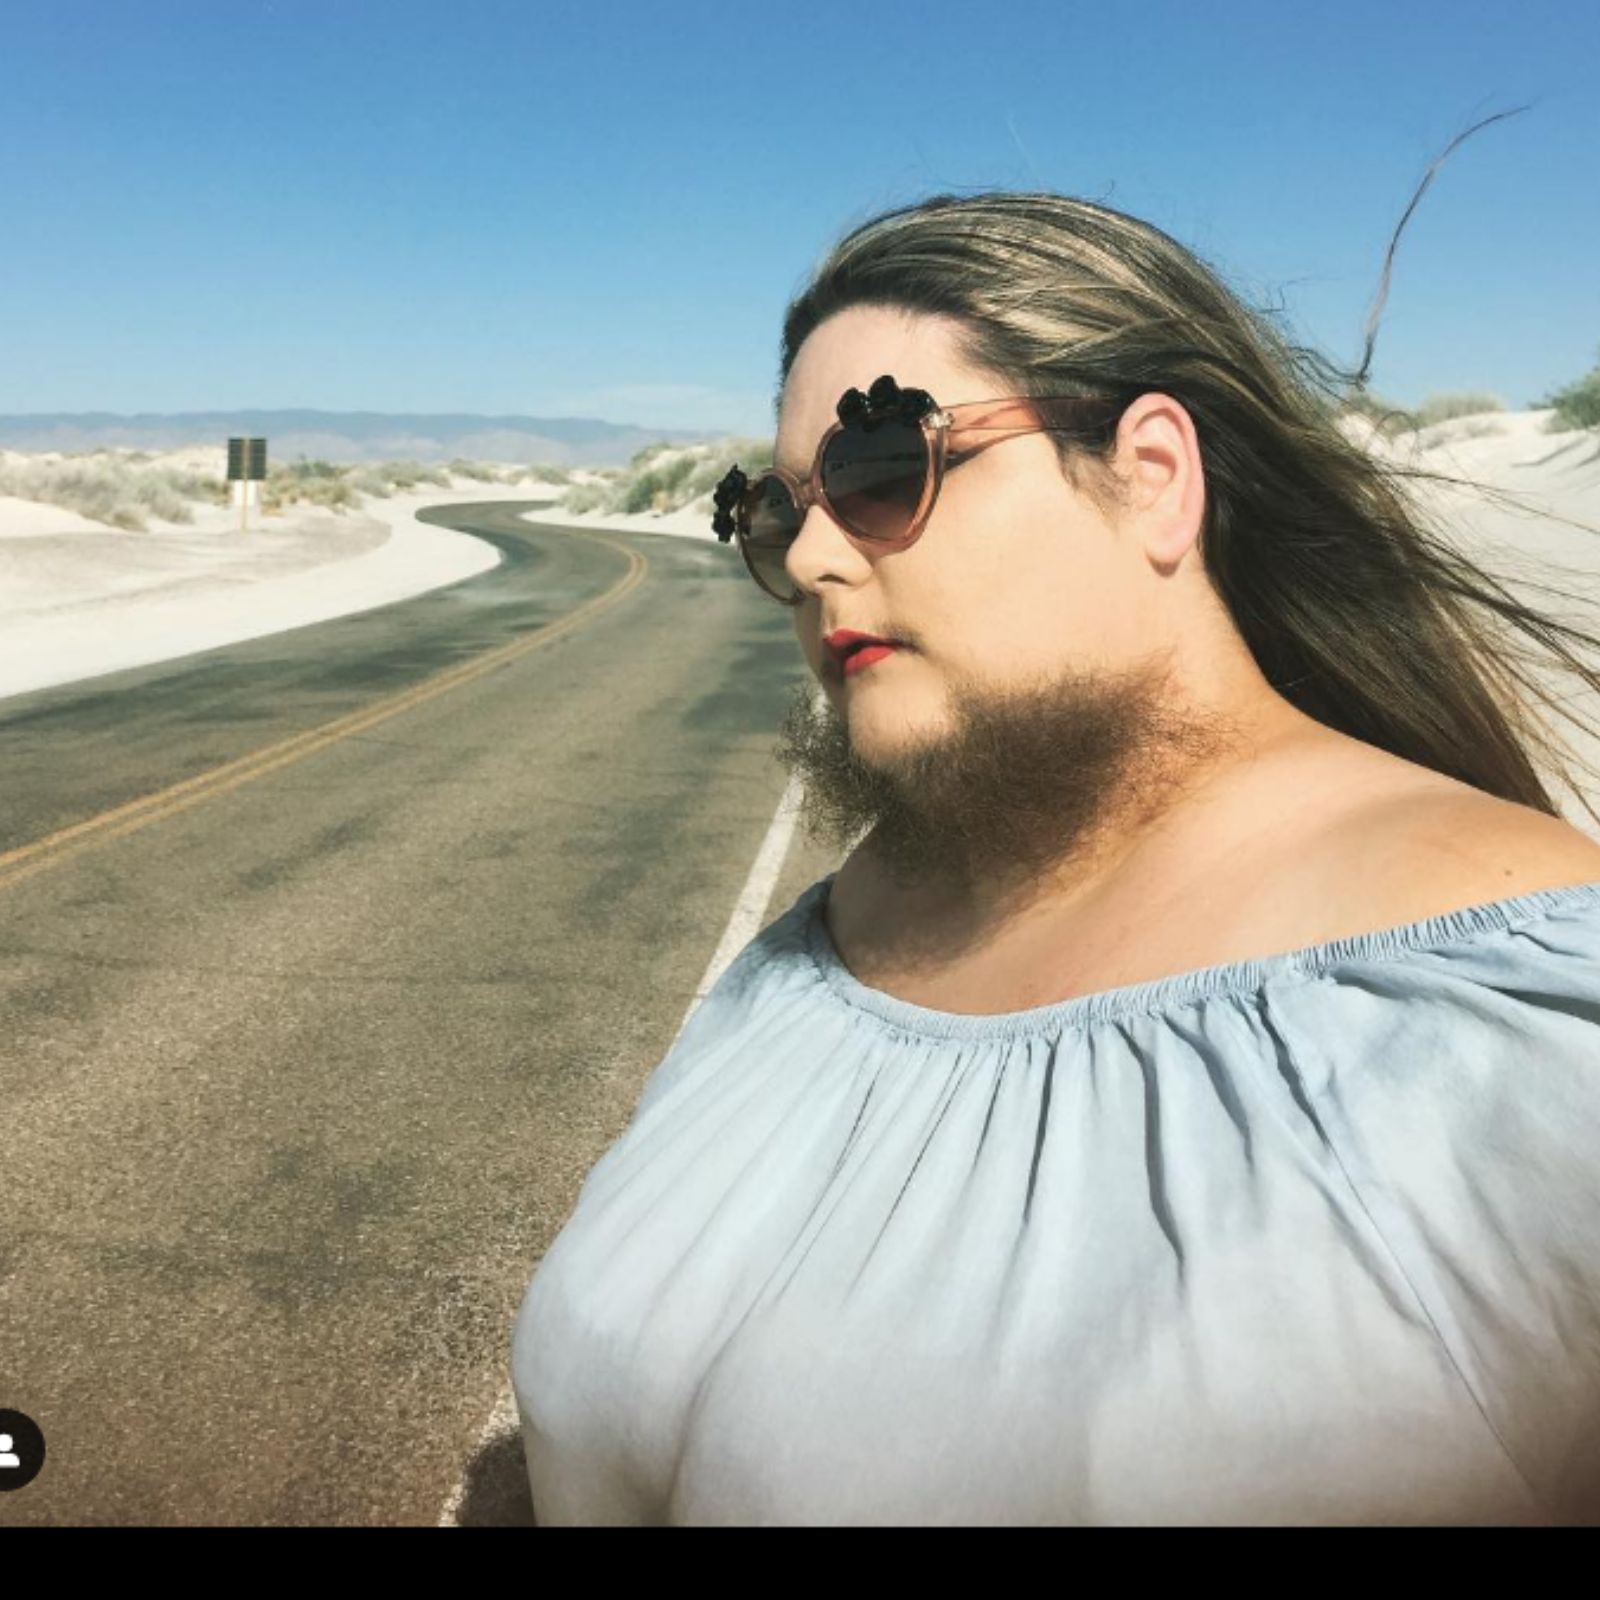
(860, 660)
(843, 640)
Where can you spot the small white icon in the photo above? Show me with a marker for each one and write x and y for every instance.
(7, 1457)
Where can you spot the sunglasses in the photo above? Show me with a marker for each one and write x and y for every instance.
(879, 468)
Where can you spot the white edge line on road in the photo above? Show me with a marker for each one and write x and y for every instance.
(745, 923)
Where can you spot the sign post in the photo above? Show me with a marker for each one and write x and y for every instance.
(247, 465)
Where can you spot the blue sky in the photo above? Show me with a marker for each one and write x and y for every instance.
(600, 208)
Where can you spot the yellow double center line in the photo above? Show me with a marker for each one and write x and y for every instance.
(23, 862)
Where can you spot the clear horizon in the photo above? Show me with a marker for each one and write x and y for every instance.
(602, 211)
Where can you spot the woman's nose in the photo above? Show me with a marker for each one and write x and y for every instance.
(821, 547)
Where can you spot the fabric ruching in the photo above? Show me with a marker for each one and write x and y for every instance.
(1308, 1239)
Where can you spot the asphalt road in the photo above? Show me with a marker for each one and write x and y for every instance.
(330, 962)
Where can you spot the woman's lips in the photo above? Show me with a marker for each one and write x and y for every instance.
(860, 660)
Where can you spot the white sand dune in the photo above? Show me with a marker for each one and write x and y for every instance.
(78, 598)
(1556, 474)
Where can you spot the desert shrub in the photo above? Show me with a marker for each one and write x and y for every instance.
(640, 459)
(319, 483)
(1387, 418)
(405, 475)
(368, 479)
(1442, 407)
(112, 489)
(706, 476)
(1576, 406)
(647, 488)
(588, 497)
(649, 483)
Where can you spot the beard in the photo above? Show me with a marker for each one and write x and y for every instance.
(1014, 794)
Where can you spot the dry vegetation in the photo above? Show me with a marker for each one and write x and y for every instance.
(125, 488)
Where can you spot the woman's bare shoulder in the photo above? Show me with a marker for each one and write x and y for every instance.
(1440, 845)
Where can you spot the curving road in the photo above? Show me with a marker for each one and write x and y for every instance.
(330, 962)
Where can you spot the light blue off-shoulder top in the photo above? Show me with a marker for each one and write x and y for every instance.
(1312, 1239)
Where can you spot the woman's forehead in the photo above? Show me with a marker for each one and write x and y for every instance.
(841, 354)
(854, 346)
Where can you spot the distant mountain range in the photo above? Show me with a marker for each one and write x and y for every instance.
(350, 436)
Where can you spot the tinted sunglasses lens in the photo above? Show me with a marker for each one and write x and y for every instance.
(875, 476)
(774, 526)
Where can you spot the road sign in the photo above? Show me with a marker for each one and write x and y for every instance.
(247, 466)
(247, 458)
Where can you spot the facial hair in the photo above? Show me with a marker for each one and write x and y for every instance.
(1025, 790)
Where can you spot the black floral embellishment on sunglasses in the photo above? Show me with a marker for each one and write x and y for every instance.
(885, 399)
(726, 496)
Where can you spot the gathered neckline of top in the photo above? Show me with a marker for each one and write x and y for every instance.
(1176, 989)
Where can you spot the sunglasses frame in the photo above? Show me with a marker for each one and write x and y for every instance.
(1031, 414)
